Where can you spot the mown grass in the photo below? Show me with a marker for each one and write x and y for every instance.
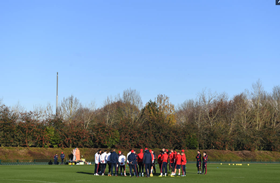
(254, 173)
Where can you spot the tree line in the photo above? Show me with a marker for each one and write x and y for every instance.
(248, 121)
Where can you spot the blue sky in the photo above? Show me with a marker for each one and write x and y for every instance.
(101, 48)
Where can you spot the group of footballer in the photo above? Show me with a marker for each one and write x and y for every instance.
(145, 161)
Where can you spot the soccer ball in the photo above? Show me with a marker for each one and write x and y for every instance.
(151, 175)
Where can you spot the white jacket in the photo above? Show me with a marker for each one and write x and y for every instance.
(97, 158)
(122, 160)
(108, 157)
(128, 155)
(103, 158)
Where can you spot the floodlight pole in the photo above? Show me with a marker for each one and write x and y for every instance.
(56, 95)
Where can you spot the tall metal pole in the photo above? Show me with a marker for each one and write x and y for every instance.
(56, 95)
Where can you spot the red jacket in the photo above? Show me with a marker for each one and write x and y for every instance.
(178, 159)
(140, 156)
(184, 160)
(164, 158)
(172, 157)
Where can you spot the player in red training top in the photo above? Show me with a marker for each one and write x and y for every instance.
(160, 160)
(163, 169)
(140, 162)
(184, 162)
(177, 164)
(172, 161)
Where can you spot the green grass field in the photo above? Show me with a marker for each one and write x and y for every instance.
(64, 173)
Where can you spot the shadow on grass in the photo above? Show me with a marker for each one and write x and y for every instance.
(87, 173)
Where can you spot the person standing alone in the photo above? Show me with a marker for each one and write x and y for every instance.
(62, 156)
(55, 159)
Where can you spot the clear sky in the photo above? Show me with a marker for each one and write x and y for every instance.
(100, 48)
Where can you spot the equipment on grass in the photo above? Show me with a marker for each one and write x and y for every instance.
(151, 175)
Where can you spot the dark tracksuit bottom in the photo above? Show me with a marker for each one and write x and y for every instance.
(141, 167)
(160, 164)
(133, 166)
(103, 167)
(164, 168)
(122, 168)
(109, 164)
(148, 169)
(96, 168)
(62, 160)
(172, 167)
(114, 165)
(154, 168)
(198, 165)
(183, 169)
(204, 167)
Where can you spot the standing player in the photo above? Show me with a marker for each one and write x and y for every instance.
(127, 157)
(132, 163)
(147, 160)
(160, 160)
(136, 162)
(122, 160)
(97, 161)
(140, 162)
(163, 170)
(198, 162)
(109, 163)
(114, 160)
(184, 162)
(153, 161)
(103, 162)
(205, 159)
(172, 161)
(178, 164)
(62, 156)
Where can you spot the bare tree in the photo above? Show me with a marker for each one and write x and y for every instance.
(86, 114)
(110, 110)
(69, 107)
(257, 95)
(132, 104)
(43, 112)
(208, 102)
